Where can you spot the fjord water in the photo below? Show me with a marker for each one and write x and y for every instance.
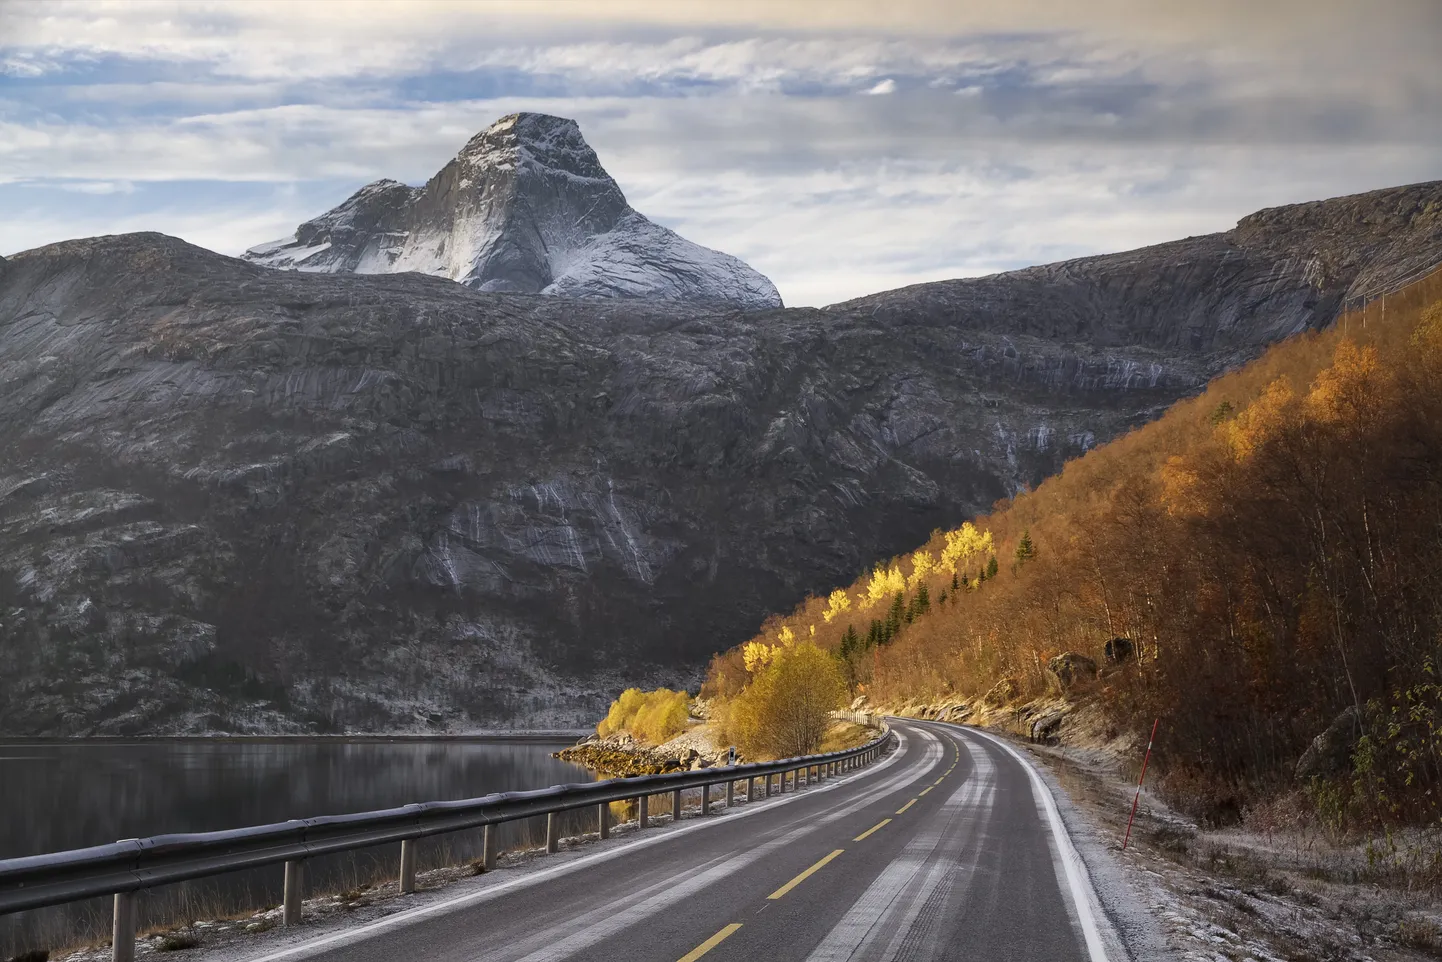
(72, 794)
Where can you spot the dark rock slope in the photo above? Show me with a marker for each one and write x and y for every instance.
(233, 498)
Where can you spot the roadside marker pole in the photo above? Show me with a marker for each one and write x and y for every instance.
(1146, 758)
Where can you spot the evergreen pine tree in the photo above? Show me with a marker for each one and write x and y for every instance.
(980, 577)
(895, 615)
(1025, 551)
(954, 585)
(991, 567)
(923, 599)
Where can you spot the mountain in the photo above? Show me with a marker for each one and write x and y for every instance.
(240, 499)
(525, 207)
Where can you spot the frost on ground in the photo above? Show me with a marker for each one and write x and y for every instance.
(1283, 894)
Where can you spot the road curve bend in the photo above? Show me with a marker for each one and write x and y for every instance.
(951, 848)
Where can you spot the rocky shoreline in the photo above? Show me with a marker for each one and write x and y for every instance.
(622, 756)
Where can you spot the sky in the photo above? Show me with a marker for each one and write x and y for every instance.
(839, 147)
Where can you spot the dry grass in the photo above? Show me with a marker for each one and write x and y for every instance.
(844, 735)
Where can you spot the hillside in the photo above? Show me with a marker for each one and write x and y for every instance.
(241, 499)
(1259, 564)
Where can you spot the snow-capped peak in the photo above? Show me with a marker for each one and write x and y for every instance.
(526, 207)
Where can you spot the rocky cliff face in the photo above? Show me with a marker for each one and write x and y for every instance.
(525, 207)
(234, 498)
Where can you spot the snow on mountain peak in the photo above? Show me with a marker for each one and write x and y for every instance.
(524, 207)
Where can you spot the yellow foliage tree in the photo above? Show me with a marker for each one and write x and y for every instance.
(921, 566)
(1180, 487)
(884, 584)
(962, 544)
(786, 709)
(757, 655)
(654, 716)
(1264, 418)
(837, 603)
(1427, 338)
(662, 717)
(1352, 390)
(786, 636)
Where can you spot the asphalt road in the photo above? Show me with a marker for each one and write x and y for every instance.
(945, 850)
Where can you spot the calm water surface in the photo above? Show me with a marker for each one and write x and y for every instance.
(56, 796)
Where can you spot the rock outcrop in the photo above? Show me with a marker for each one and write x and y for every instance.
(525, 207)
(1071, 668)
(1331, 752)
(242, 499)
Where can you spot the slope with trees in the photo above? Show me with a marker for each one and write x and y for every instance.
(1262, 561)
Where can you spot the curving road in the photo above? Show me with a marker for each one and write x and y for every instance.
(948, 849)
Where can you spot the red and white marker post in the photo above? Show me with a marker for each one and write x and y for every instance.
(1138, 798)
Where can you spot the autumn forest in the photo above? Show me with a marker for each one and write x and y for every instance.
(1264, 558)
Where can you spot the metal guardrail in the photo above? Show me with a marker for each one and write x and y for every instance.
(124, 868)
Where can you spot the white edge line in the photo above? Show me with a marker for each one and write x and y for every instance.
(1078, 879)
(357, 933)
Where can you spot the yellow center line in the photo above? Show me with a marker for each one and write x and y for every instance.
(938, 781)
(880, 824)
(925, 790)
(710, 943)
(802, 877)
(906, 806)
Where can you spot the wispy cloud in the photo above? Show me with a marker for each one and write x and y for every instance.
(995, 136)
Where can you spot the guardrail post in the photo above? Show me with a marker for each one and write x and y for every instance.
(553, 833)
(730, 794)
(750, 789)
(643, 817)
(603, 818)
(488, 848)
(768, 786)
(676, 805)
(705, 799)
(408, 867)
(122, 928)
(290, 903)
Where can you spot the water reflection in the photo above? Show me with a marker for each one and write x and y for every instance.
(70, 795)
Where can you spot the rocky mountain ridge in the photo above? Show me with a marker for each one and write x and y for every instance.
(241, 499)
(524, 207)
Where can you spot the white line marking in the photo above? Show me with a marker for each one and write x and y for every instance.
(1072, 866)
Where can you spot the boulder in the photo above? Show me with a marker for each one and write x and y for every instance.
(1331, 752)
(1120, 650)
(685, 756)
(1069, 668)
(1044, 726)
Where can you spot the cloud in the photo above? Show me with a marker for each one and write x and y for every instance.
(97, 186)
(1011, 132)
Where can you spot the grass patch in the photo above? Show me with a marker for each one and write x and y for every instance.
(843, 735)
(1420, 933)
